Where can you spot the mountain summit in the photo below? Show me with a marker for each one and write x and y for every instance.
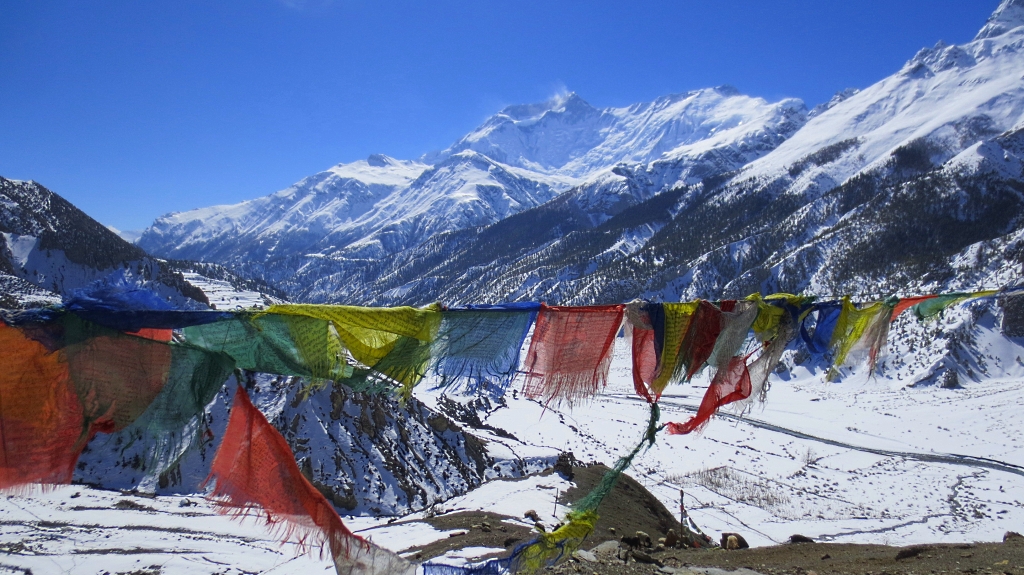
(569, 137)
(1009, 15)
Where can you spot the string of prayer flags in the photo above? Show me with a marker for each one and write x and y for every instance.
(123, 360)
(571, 352)
(478, 347)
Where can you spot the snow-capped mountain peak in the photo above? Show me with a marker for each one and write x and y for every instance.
(569, 137)
(568, 101)
(1008, 16)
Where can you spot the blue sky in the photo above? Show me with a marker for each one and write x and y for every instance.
(133, 109)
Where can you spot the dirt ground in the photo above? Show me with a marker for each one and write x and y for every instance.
(820, 558)
(629, 508)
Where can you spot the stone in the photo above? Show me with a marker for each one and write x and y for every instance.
(565, 463)
(606, 548)
(909, 552)
(585, 556)
(642, 557)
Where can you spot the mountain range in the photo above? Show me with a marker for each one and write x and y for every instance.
(707, 193)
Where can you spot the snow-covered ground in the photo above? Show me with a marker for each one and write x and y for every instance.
(224, 296)
(868, 460)
(76, 529)
(864, 461)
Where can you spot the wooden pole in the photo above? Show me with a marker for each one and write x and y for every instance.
(682, 509)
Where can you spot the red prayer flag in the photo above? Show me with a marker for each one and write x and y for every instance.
(571, 351)
(645, 362)
(254, 470)
(700, 337)
(909, 302)
(41, 415)
(729, 385)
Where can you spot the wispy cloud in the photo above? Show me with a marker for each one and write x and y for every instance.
(560, 92)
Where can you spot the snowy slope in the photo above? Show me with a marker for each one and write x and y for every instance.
(50, 244)
(309, 210)
(952, 96)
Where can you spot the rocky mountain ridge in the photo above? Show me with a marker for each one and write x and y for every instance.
(49, 248)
